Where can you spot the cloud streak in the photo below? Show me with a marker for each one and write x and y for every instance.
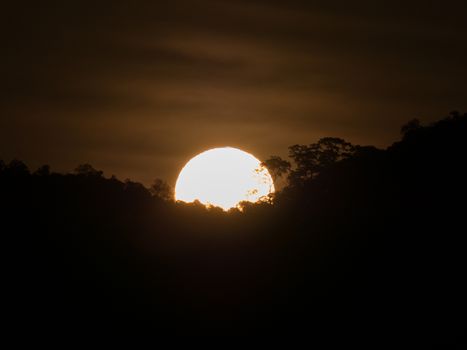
(138, 88)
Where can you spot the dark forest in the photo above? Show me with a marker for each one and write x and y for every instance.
(360, 242)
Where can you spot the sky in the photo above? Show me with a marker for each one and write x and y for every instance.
(137, 88)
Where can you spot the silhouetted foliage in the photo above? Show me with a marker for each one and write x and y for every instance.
(162, 190)
(88, 170)
(277, 166)
(412, 125)
(17, 168)
(43, 170)
(310, 160)
(363, 243)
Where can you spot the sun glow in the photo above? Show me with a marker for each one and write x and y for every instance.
(223, 177)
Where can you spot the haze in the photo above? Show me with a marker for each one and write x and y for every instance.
(138, 89)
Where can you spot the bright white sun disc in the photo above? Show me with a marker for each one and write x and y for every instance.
(223, 177)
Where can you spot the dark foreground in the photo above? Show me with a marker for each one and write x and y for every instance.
(371, 248)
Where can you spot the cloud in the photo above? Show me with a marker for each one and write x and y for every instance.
(139, 87)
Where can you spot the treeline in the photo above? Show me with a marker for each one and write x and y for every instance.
(361, 242)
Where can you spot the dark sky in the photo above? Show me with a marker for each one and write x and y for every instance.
(137, 88)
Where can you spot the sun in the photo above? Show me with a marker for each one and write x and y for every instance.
(223, 177)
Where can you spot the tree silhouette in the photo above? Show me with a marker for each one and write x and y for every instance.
(310, 160)
(412, 125)
(17, 168)
(277, 167)
(43, 170)
(162, 190)
(362, 238)
(88, 170)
